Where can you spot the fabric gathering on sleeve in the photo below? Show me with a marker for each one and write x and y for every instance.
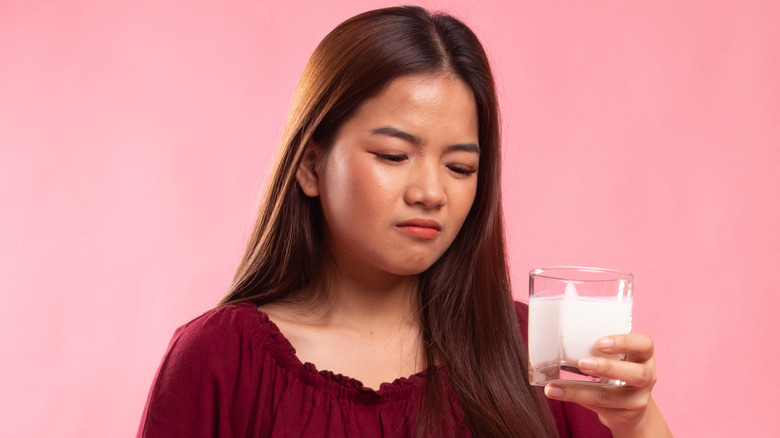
(232, 373)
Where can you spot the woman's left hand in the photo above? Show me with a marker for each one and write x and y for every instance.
(628, 410)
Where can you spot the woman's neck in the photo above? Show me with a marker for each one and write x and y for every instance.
(364, 303)
(365, 330)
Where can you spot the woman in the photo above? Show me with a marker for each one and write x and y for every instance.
(378, 254)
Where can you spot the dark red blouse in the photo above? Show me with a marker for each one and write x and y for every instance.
(231, 373)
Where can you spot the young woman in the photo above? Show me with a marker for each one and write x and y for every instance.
(373, 298)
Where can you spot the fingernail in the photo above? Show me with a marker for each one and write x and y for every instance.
(553, 391)
(605, 343)
(587, 364)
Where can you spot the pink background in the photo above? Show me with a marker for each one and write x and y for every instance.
(135, 136)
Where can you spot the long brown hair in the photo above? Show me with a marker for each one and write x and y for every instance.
(467, 313)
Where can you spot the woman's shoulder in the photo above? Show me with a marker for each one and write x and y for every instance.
(214, 363)
(215, 349)
(222, 333)
(225, 321)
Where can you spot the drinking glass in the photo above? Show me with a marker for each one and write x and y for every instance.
(569, 309)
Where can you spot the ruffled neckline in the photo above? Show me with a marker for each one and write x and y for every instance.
(284, 346)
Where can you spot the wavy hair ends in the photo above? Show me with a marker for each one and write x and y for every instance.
(466, 308)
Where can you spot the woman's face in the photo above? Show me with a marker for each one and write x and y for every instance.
(400, 176)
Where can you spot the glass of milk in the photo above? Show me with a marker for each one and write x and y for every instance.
(569, 309)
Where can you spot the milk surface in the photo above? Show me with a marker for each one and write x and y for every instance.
(563, 328)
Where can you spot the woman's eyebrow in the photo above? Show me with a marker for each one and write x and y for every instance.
(466, 147)
(395, 132)
(415, 140)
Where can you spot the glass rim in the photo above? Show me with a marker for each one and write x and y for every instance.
(551, 271)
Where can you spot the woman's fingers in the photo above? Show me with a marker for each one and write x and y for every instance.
(637, 371)
(625, 408)
(597, 396)
(638, 346)
(640, 375)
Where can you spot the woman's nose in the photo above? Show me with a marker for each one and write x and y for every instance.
(425, 187)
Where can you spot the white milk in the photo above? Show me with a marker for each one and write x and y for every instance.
(584, 320)
(543, 325)
(563, 328)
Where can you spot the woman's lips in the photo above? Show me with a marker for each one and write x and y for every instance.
(420, 228)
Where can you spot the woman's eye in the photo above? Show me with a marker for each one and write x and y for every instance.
(396, 158)
(461, 169)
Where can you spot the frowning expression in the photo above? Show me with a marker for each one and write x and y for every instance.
(400, 176)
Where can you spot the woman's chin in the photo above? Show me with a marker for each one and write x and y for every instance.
(410, 270)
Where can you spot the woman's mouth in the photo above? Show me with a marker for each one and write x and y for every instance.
(420, 228)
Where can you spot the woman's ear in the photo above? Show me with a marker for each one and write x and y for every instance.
(307, 175)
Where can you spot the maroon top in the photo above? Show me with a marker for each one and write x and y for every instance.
(231, 372)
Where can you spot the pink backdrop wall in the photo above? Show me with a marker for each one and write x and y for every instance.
(134, 139)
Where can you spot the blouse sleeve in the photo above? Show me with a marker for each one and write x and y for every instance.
(572, 420)
(195, 391)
